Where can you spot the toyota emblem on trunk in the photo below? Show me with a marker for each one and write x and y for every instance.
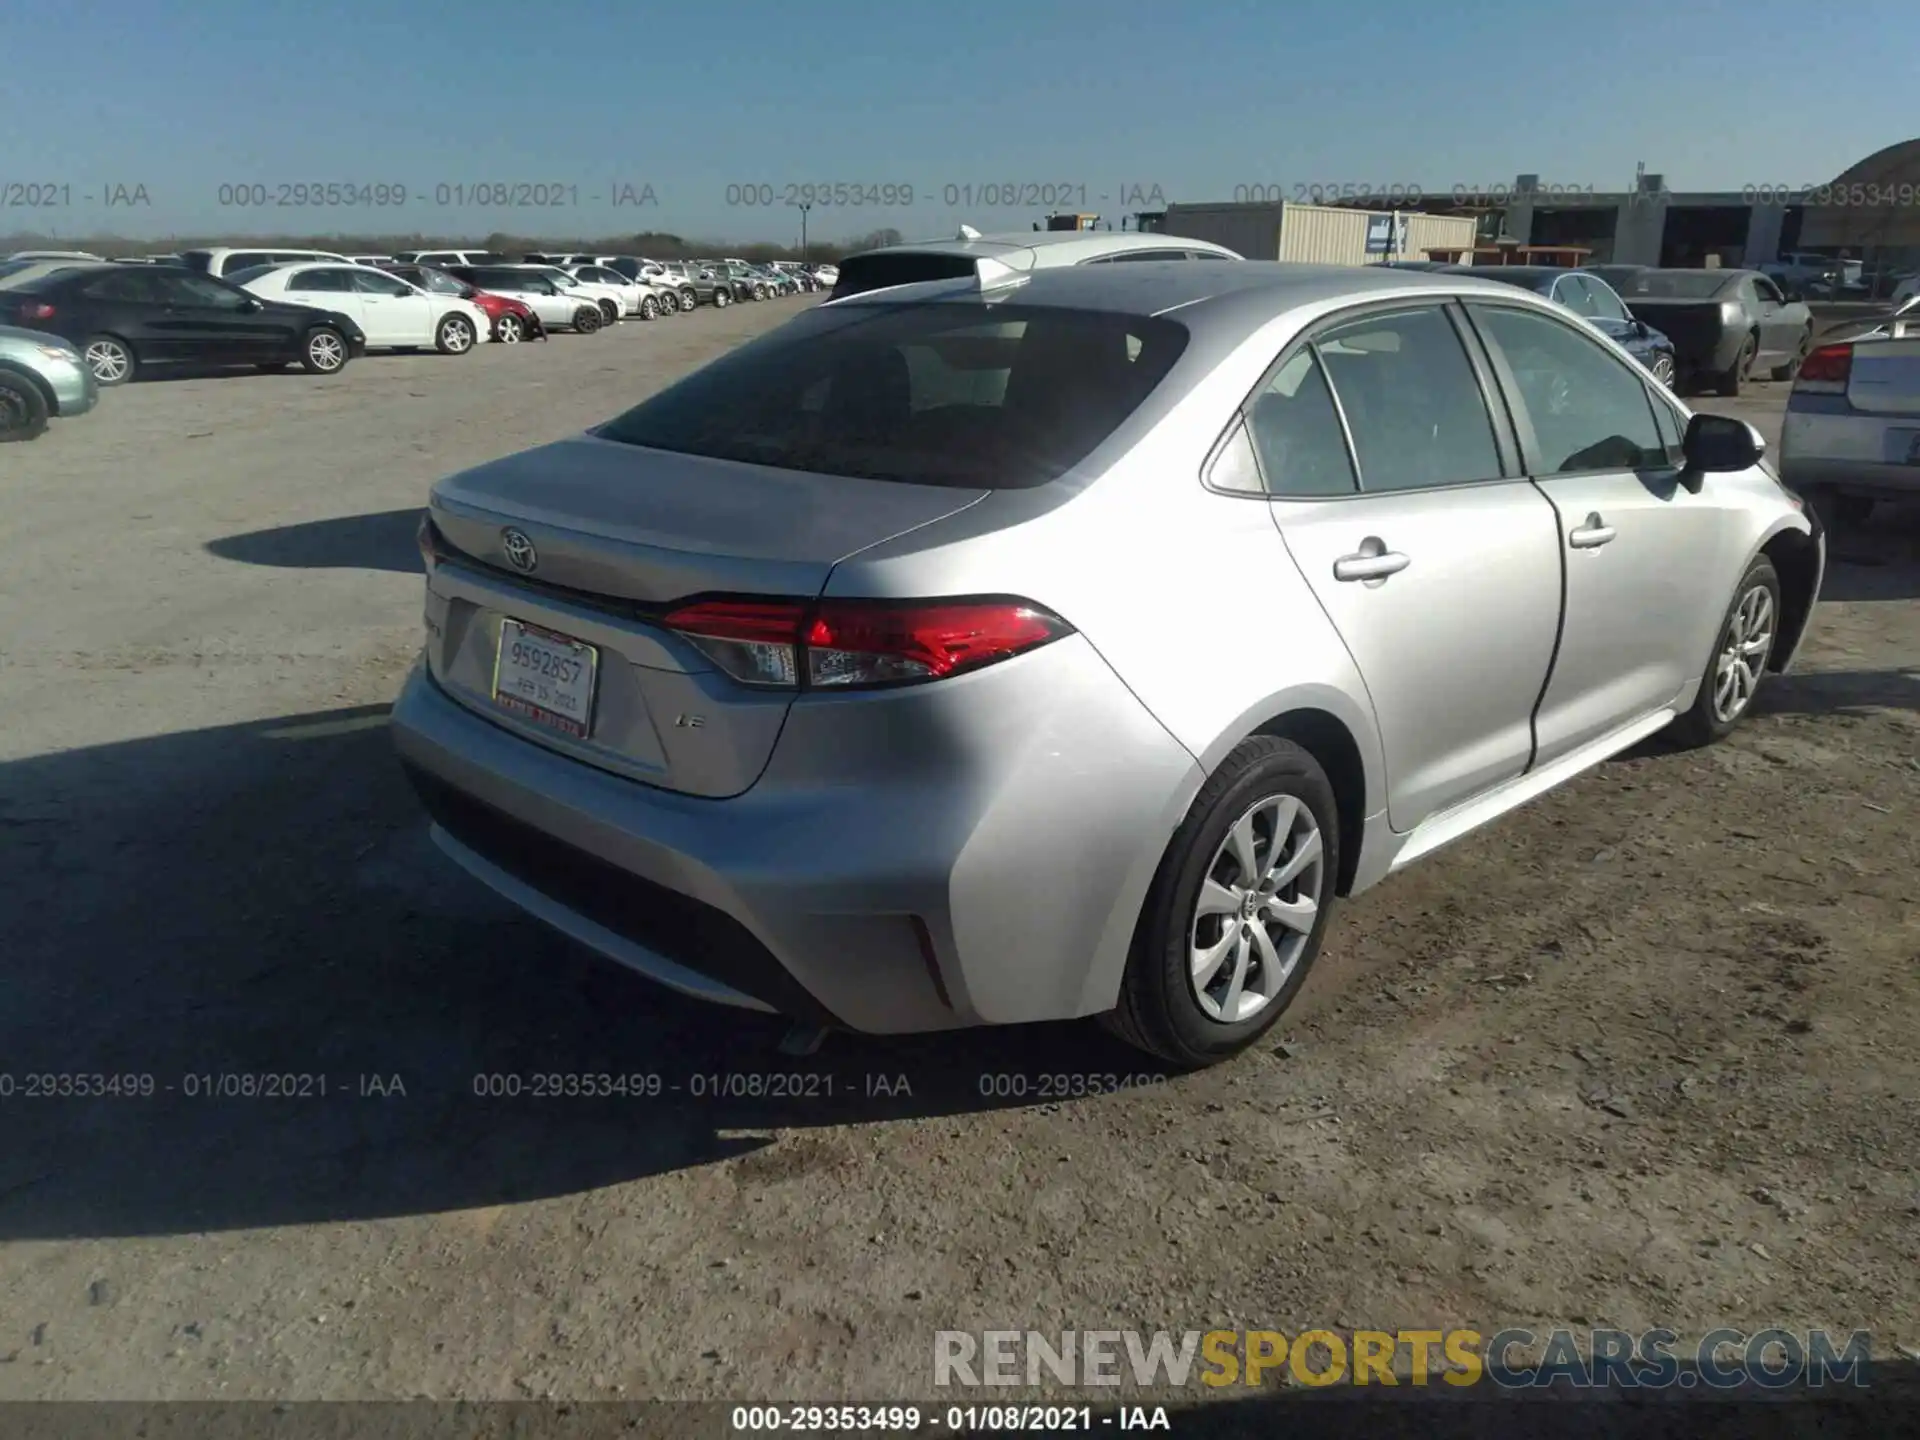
(519, 547)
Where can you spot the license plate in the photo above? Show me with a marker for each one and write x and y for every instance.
(545, 677)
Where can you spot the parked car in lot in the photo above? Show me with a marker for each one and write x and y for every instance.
(509, 321)
(15, 273)
(824, 681)
(1591, 298)
(221, 262)
(558, 308)
(395, 314)
(636, 297)
(42, 377)
(443, 259)
(970, 253)
(1851, 435)
(127, 320)
(19, 255)
(1724, 324)
(697, 285)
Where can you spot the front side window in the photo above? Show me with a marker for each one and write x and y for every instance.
(1412, 401)
(995, 396)
(1296, 433)
(1589, 411)
(369, 282)
(198, 290)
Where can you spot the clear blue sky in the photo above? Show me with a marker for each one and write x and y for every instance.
(1193, 96)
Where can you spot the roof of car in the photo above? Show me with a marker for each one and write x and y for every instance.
(1064, 247)
(1514, 274)
(1238, 297)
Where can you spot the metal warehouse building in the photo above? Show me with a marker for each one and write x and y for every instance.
(1871, 212)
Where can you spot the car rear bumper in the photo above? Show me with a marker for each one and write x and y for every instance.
(1843, 449)
(972, 852)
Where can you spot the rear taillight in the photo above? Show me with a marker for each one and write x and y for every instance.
(36, 310)
(1826, 371)
(840, 644)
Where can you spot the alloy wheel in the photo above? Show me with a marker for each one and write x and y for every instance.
(1743, 654)
(326, 351)
(109, 361)
(459, 335)
(510, 330)
(1256, 909)
(1663, 370)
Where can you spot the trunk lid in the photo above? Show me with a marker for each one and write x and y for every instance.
(605, 538)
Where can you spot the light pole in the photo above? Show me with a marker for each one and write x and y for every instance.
(803, 232)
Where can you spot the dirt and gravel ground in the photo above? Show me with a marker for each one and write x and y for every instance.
(1640, 1055)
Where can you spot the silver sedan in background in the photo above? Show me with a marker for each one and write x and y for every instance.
(1035, 645)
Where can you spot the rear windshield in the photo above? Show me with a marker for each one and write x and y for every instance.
(998, 397)
(876, 272)
(1676, 284)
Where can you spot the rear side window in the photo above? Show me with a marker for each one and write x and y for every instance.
(1296, 433)
(127, 287)
(1411, 400)
(876, 272)
(246, 260)
(330, 282)
(999, 397)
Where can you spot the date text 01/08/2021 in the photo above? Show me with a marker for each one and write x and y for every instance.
(955, 1419)
(393, 195)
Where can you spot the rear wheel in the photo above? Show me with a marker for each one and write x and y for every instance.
(649, 308)
(23, 409)
(1729, 381)
(325, 351)
(689, 298)
(454, 335)
(721, 299)
(1792, 367)
(1662, 368)
(1236, 913)
(111, 359)
(668, 302)
(1741, 652)
(609, 311)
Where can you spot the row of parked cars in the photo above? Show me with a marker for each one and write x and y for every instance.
(72, 323)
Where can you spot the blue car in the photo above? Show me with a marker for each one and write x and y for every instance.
(1594, 301)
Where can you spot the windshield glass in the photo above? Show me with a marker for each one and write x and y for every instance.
(1000, 396)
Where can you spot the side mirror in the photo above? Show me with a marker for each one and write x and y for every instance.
(253, 305)
(1718, 444)
(467, 292)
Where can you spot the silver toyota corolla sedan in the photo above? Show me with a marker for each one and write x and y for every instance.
(1021, 647)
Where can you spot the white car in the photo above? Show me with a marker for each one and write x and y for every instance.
(560, 307)
(612, 302)
(222, 262)
(53, 255)
(637, 297)
(1851, 435)
(444, 258)
(971, 254)
(371, 259)
(394, 313)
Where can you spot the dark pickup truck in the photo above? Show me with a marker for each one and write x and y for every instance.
(1727, 326)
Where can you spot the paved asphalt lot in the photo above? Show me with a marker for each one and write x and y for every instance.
(1639, 1055)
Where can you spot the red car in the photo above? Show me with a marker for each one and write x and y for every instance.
(513, 321)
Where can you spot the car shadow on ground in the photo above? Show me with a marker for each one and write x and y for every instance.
(186, 917)
(1839, 692)
(381, 541)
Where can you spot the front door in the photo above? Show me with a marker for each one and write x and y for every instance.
(211, 323)
(1439, 569)
(394, 312)
(1643, 554)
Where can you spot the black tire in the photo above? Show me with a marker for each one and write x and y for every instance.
(1702, 724)
(588, 319)
(508, 330)
(721, 299)
(111, 359)
(1729, 381)
(1792, 367)
(324, 351)
(1159, 1010)
(649, 308)
(455, 335)
(23, 409)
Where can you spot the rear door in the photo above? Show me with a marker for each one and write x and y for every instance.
(1645, 559)
(328, 287)
(1435, 559)
(134, 304)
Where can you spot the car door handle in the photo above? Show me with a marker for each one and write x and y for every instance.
(1373, 561)
(1592, 535)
